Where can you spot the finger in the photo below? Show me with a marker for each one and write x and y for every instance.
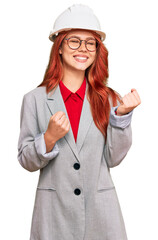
(132, 99)
(58, 115)
(133, 89)
(66, 124)
(129, 101)
(121, 100)
(126, 100)
(62, 120)
(135, 93)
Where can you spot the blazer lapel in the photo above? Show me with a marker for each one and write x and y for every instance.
(85, 122)
(55, 103)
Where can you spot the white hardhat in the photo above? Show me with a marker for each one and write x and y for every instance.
(78, 16)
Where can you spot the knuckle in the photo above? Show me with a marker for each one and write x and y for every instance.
(63, 127)
(62, 113)
(59, 112)
(54, 120)
(67, 128)
(58, 123)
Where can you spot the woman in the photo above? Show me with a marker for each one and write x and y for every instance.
(74, 128)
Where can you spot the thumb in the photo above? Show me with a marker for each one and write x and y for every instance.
(133, 89)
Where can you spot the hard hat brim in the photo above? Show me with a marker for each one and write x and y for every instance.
(53, 35)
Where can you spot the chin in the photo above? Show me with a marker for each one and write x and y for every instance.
(82, 68)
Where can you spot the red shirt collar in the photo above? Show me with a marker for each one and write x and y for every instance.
(66, 92)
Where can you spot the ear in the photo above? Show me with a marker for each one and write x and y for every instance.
(60, 51)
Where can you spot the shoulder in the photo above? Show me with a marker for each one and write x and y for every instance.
(36, 94)
(38, 91)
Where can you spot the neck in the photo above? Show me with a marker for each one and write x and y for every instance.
(73, 79)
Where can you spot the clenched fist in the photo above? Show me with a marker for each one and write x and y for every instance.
(58, 127)
(129, 102)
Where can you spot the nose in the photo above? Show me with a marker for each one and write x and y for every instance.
(83, 46)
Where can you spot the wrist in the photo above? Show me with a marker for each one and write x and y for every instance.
(121, 111)
(117, 113)
(49, 141)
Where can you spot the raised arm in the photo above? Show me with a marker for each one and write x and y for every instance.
(32, 153)
(119, 133)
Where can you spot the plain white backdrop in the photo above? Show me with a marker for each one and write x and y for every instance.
(132, 42)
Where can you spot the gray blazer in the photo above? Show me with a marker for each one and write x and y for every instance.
(75, 196)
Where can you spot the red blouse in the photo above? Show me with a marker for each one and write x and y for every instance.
(73, 103)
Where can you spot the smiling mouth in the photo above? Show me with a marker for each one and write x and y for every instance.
(81, 59)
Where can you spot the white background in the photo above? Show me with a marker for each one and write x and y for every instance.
(132, 42)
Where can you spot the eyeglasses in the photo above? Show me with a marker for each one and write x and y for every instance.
(74, 43)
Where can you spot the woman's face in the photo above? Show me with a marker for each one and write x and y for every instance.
(81, 58)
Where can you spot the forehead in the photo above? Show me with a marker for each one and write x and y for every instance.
(80, 33)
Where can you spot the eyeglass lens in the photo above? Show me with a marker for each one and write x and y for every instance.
(74, 43)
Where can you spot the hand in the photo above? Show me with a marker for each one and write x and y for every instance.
(58, 127)
(129, 102)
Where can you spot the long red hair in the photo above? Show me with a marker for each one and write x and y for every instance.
(97, 74)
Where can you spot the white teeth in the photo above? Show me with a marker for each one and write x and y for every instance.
(80, 57)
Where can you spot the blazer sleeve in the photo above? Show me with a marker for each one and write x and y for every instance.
(119, 138)
(31, 145)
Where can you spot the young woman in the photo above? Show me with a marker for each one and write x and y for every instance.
(74, 128)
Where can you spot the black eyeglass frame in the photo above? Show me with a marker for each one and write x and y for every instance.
(97, 43)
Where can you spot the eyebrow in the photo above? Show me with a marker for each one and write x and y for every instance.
(80, 38)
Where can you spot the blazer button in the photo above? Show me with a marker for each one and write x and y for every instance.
(77, 191)
(76, 166)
